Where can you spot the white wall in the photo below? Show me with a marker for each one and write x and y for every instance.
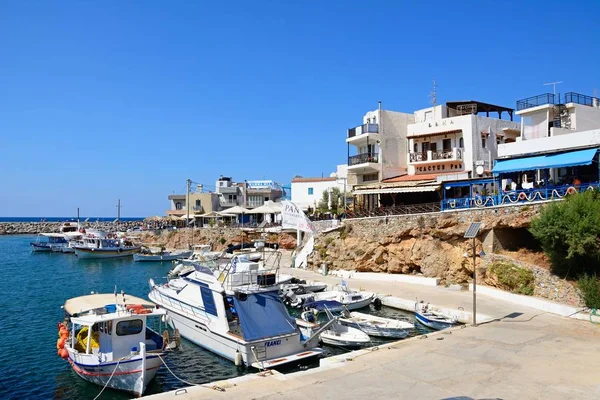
(472, 127)
(584, 118)
(549, 144)
(301, 197)
(393, 130)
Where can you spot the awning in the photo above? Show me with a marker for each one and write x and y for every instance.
(569, 159)
(410, 189)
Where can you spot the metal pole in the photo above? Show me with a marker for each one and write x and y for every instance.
(474, 286)
(187, 205)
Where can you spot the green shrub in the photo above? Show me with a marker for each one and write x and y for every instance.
(513, 278)
(328, 240)
(568, 231)
(590, 290)
(222, 240)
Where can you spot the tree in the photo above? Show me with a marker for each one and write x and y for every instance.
(569, 233)
(337, 202)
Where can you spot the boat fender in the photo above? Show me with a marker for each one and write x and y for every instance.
(63, 353)
(341, 299)
(238, 359)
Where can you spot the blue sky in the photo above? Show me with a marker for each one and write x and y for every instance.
(127, 99)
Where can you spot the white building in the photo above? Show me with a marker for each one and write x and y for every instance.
(377, 149)
(307, 192)
(450, 141)
(553, 133)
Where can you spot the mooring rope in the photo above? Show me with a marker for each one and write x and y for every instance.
(215, 387)
(108, 381)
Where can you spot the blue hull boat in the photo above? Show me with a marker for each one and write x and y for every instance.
(434, 321)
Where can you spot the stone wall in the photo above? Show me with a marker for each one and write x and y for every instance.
(32, 228)
(427, 244)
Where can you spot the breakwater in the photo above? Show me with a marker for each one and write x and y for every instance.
(32, 228)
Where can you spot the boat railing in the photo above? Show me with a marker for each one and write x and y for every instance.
(266, 276)
(196, 311)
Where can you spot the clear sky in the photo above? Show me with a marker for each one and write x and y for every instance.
(126, 99)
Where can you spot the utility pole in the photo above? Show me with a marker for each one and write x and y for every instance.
(187, 205)
(118, 213)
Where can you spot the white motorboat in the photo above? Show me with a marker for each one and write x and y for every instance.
(162, 255)
(107, 341)
(353, 300)
(302, 287)
(433, 320)
(54, 242)
(336, 334)
(376, 326)
(235, 314)
(95, 247)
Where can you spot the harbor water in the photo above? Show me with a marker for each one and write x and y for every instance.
(35, 287)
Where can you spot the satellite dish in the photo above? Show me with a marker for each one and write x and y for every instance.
(479, 170)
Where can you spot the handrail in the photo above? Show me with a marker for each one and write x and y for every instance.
(363, 158)
(365, 128)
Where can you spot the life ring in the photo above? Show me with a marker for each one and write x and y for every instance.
(522, 196)
(571, 190)
(452, 204)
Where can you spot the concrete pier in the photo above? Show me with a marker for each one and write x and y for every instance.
(517, 353)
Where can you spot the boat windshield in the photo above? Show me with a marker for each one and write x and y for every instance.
(263, 315)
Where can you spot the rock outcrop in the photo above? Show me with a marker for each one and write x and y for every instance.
(431, 244)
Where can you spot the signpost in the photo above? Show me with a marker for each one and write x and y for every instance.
(471, 233)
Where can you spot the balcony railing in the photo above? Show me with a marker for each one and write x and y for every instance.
(530, 102)
(363, 158)
(582, 99)
(419, 156)
(366, 128)
(197, 208)
(447, 154)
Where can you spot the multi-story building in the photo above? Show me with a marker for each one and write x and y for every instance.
(259, 192)
(554, 132)
(307, 192)
(376, 150)
(231, 194)
(199, 203)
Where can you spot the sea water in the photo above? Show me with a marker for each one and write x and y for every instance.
(34, 287)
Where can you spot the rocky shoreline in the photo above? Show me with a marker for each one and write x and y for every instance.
(33, 228)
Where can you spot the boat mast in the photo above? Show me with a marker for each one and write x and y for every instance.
(78, 227)
(118, 213)
(187, 205)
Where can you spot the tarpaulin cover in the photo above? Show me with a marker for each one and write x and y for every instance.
(572, 158)
(263, 315)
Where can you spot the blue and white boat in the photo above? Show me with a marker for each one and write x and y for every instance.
(432, 319)
(235, 314)
(96, 247)
(55, 242)
(107, 340)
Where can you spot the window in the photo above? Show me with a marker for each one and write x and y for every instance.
(232, 197)
(483, 142)
(425, 146)
(132, 327)
(416, 147)
(433, 146)
(370, 177)
(310, 191)
(178, 206)
(461, 143)
(255, 200)
(447, 144)
(198, 203)
(266, 199)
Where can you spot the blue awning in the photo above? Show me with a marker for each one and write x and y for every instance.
(569, 159)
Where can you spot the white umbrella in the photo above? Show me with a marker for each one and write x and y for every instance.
(236, 210)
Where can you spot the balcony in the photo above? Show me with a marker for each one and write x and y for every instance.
(535, 101)
(364, 163)
(362, 134)
(197, 209)
(454, 154)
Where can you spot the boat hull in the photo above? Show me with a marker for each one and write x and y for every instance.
(127, 374)
(87, 253)
(158, 258)
(372, 330)
(196, 331)
(40, 247)
(437, 325)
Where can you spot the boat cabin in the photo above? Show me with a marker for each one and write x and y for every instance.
(112, 331)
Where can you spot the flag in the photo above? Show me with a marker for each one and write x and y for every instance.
(344, 283)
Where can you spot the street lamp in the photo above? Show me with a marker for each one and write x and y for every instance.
(471, 233)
